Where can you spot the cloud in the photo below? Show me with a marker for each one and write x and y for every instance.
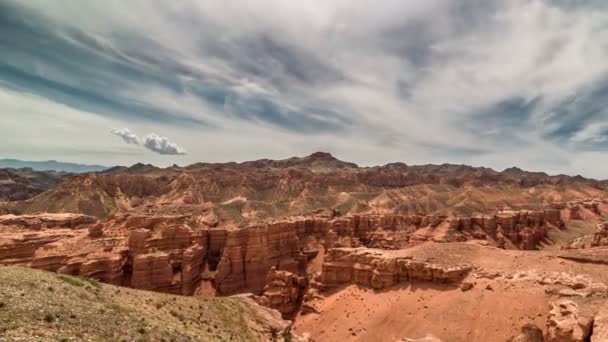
(594, 133)
(162, 145)
(126, 135)
(374, 82)
(152, 142)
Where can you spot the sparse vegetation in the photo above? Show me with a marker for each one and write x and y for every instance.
(71, 280)
(49, 318)
(71, 312)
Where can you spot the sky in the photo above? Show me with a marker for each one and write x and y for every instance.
(495, 83)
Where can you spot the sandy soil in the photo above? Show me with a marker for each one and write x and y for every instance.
(506, 295)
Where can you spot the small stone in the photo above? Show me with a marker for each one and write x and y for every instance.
(466, 286)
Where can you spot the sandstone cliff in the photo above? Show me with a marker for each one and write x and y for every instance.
(383, 269)
(176, 253)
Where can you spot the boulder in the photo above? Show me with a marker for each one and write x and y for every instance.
(566, 323)
(600, 326)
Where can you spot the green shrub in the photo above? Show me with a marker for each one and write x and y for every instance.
(71, 280)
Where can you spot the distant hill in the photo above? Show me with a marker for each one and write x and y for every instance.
(267, 188)
(50, 165)
(24, 183)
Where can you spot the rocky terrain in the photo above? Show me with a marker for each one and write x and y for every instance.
(22, 184)
(41, 306)
(385, 253)
(263, 189)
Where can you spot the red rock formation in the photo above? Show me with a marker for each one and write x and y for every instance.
(284, 291)
(575, 212)
(96, 230)
(600, 325)
(567, 324)
(19, 248)
(169, 258)
(47, 220)
(153, 271)
(106, 267)
(170, 253)
(383, 239)
(600, 237)
(593, 206)
(292, 186)
(250, 253)
(525, 229)
(382, 269)
(24, 183)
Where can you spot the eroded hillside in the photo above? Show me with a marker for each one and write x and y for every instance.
(240, 192)
(22, 184)
(338, 248)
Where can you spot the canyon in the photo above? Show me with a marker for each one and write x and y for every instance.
(385, 253)
(25, 183)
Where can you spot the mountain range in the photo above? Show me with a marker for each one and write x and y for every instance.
(50, 165)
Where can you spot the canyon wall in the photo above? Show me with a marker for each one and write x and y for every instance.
(382, 269)
(174, 253)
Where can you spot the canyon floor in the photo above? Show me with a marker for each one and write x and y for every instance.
(305, 249)
(508, 290)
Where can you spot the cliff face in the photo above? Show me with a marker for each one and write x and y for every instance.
(181, 253)
(383, 269)
(284, 291)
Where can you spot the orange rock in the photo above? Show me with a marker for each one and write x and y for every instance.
(382, 269)
(47, 220)
(566, 323)
(600, 237)
(284, 291)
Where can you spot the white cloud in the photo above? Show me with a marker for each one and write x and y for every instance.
(152, 142)
(595, 133)
(126, 135)
(162, 145)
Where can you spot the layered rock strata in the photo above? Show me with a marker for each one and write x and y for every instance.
(382, 269)
(173, 253)
(46, 220)
(283, 291)
(20, 248)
